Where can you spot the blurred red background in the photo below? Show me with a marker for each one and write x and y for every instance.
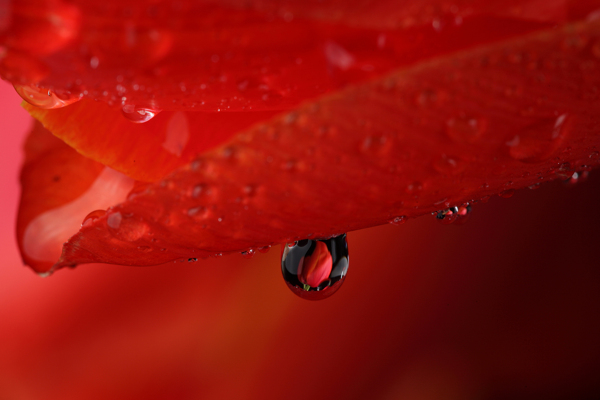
(506, 306)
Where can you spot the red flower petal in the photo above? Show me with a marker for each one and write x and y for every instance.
(246, 55)
(145, 152)
(315, 268)
(434, 135)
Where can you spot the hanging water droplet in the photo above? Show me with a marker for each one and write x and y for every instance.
(315, 269)
(264, 249)
(507, 193)
(464, 212)
(447, 216)
(248, 253)
(45, 98)
(577, 177)
(138, 115)
(398, 220)
(93, 216)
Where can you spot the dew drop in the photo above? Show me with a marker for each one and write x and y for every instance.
(447, 216)
(455, 215)
(506, 194)
(539, 141)
(463, 214)
(464, 129)
(534, 186)
(315, 269)
(45, 98)
(264, 249)
(114, 220)
(138, 115)
(577, 177)
(398, 220)
(93, 216)
(564, 171)
(248, 253)
(448, 165)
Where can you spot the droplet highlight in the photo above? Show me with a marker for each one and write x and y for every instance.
(454, 215)
(315, 269)
(138, 115)
(45, 98)
(539, 141)
(92, 217)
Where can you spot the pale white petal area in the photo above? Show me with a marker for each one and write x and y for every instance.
(45, 235)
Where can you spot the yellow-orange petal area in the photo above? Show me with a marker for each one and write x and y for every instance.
(146, 151)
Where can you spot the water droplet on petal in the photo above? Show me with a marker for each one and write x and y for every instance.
(577, 177)
(534, 186)
(264, 249)
(507, 193)
(114, 220)
(447, 216)
(539, 141)
(45, 98)
(93, 216)
(464, 129)
(138, 115)
(398, 220)
(463, 214)
(248, 253)
(315, 269)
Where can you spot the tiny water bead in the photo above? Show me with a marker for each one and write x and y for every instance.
(248, 253)
(577, 177)
(138, 115)
(454, 215)
(398, 220)
(45, 98)
(315, 269)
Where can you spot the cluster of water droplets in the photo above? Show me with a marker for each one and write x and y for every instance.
(457, 215)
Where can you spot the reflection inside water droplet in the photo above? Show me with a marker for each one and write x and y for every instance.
(315, 269)
(138, 115)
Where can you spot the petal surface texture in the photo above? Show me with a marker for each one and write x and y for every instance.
(422, 116)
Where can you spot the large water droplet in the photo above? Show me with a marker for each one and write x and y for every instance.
(315, 269)
(45, 98)
(93, 216)
(537, 142)
(138, 115)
